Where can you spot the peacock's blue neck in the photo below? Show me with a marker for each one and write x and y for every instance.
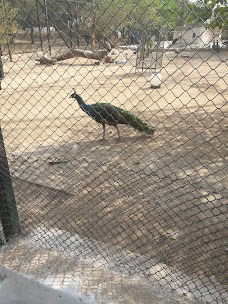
(79, 99)
(85, 107)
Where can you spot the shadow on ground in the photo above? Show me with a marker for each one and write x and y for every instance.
(161, 197)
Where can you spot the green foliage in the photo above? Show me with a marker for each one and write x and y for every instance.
(135, 121)
(116, 14)
(135, 13)
(100, 17)
(214, 13)
(8, 25)
(27, 13)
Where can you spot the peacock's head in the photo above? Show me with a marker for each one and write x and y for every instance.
(77, 97)
(74, 95)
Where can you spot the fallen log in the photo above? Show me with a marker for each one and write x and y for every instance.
(45, 59)
(96, 55)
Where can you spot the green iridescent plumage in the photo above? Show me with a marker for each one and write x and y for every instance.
(135, 122)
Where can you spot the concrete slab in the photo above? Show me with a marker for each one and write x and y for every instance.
(89, 271)
(16, 288)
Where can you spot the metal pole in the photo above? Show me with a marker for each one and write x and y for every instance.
(1, 68)
(8, 209)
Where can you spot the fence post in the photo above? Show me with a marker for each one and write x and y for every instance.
(8, 209)
(1, 69)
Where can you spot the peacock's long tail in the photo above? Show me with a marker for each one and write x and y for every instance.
(136, 122)
(133, 120)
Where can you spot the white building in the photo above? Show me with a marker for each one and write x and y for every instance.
(197, 35)
(42, 29)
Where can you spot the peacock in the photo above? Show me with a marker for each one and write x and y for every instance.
(105, 113)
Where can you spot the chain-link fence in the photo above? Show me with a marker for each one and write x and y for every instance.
(129, 175)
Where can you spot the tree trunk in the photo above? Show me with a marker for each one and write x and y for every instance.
(97, 55)
(9, 51)
(32, 35)
(93, 33)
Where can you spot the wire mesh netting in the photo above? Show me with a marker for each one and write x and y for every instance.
(127, 179)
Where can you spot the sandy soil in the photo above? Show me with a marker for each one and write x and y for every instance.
(164, 197)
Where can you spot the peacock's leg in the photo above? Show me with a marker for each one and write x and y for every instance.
(118, 132)
(103, 124)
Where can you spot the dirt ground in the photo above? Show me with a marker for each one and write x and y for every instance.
(165, 196)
